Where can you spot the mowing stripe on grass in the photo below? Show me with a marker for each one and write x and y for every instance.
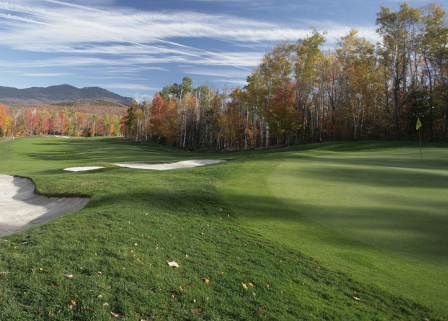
(379, 216)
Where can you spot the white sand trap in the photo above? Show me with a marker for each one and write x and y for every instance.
(81, 169)
(20, 208)
(168, 166)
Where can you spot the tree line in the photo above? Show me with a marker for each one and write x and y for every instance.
(28, 121)
(301, 93)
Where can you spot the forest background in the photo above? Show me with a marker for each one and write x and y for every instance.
(299, 93)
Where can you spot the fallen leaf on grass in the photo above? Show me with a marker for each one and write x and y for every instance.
(69, 276)
(72, 302)
(197, 310)
(87, 309)
(244, 286)
(251, 284)
(356, 298)
(257, 312)
(115, 315)
(173, 264)
(207, 281)
(105, 304)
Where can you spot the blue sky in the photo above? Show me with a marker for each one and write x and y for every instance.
(136, 47)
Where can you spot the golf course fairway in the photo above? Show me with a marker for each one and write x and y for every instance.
(352, 231)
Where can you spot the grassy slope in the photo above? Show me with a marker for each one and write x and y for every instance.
(137, 220)
(378, 216)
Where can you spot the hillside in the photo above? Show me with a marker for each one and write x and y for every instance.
(57, 94)
(99, 107)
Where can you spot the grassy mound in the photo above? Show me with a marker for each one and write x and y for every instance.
(226, 226)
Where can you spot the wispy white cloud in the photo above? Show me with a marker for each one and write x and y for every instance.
(240, 83)
(9, 16)
(81, 4)
(135, 87)
(47, 75)
(214, 72)
(84, 35)
(74, 28)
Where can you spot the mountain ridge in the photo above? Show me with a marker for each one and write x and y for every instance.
(57, 94)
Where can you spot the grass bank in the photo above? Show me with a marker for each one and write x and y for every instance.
(223, 224)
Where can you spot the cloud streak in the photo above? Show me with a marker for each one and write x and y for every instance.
(95, 35)
(66, 27)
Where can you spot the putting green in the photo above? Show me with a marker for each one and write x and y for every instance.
(380, 216)
(387, 199)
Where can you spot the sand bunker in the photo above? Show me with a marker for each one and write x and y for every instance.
(20, 208)
(168, 166)
(81, 169)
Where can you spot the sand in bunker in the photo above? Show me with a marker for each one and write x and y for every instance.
(82, 169)
(20, 208)
(168, 166)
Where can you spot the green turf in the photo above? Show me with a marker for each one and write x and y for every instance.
(379, 215)
(228, 223)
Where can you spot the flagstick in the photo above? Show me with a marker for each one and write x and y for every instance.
(420, 136)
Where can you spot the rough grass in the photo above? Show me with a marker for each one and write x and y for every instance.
(117, 248)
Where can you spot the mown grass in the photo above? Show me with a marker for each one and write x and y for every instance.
(117, 248)
(379, 215)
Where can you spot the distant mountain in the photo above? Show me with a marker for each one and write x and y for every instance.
(57, 94)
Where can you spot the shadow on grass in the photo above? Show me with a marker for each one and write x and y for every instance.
(379, 175)
(412, 232)
(115, 150)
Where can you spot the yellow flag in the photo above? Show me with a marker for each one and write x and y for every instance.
(419, 124)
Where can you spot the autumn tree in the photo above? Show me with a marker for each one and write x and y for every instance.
(157, 116)
(308, 53)
(4, 121)
(177, 90)
(398, 32)
(434, 46)
(357, 58)
(281, 114)
(44, 119)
